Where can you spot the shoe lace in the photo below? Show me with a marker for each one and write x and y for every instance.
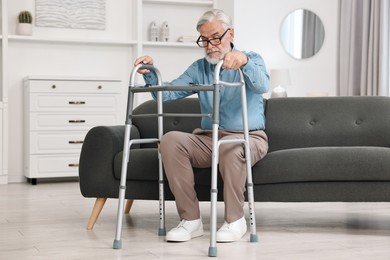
(227, 225)
(181, 224)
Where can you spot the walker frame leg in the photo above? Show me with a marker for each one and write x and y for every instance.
(214, 194)
(214, 174)
(126, 154)
(215, 154)
(122, 189)
(251, 204)
(125, 159)
(162, 231)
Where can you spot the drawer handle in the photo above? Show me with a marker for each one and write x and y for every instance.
(76, 142)
(73, 165)
(76, 102)
(76, 121)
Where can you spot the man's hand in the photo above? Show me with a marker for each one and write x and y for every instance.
(234, 60)
(144, 60)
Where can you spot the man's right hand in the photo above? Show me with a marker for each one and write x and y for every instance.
(144, 60)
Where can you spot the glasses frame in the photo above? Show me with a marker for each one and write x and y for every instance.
(201, 42)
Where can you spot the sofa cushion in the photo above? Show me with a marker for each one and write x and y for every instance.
(320, 164)
(327, 121)
(143, 164)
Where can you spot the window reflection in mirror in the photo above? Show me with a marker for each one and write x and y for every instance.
(302, 34)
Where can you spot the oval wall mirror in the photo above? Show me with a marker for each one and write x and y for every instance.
(302, 34)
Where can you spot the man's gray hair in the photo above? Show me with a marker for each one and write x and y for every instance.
(217, 14)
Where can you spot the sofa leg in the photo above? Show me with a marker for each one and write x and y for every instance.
(97, 208)
(129, 203)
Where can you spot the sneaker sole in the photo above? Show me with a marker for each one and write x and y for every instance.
(184, 239)
(230, 240)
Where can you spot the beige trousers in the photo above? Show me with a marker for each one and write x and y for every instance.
(181, 151)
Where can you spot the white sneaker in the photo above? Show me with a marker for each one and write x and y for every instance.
(230, 232)
(186, 230)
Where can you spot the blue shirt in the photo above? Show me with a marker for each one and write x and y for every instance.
(201, 72)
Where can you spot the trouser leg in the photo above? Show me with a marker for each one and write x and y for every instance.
(180, 152)
(232, 167)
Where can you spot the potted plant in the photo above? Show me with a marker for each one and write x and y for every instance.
(25, 23)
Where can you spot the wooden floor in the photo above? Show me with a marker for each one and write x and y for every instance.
(48, 221)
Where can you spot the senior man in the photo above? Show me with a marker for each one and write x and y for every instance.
(181, 151)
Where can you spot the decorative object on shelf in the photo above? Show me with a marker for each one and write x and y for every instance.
(24, 26)
(73, 14)
(279, 80)
(153, 32)
(164, 32)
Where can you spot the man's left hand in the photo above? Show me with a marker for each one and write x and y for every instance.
(234, 60)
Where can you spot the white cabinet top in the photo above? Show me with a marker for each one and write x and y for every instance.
(76, 78)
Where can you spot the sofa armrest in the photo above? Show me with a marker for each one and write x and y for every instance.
(96, 168)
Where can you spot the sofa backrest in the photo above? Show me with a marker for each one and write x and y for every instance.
(328, 121)
(294, 122)
(147, 126)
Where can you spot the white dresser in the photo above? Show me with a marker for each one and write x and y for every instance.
(58, 112)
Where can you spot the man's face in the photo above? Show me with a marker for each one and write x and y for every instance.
(215, 29)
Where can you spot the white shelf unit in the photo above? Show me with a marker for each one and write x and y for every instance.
(19, 38)
(181, 16)
(171, 57)
(58, 114)
(206, 3)
(170, 44)
(125, 36)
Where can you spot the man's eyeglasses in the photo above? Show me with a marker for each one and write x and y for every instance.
(203, 43)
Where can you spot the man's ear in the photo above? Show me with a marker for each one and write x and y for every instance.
(231, 34)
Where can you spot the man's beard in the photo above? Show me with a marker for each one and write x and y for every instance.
(212, 60)
(216, 60)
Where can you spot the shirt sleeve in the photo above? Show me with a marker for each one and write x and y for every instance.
(186, 79)
(255, 73)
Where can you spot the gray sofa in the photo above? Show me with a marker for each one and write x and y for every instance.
(320, 149)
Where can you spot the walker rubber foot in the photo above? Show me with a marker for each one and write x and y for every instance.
(212, 251)
(162, 232)
(253, 238)
(117, 244)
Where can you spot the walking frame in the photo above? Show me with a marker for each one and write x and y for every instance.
(215, 148)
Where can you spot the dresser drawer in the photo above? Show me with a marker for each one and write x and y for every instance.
(72, 86)
(41, 121)
(77, 102)
(56, 142)
(46, 166)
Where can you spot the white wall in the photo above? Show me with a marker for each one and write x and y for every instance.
(118, 21)
(63, 59)
(257, 26)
